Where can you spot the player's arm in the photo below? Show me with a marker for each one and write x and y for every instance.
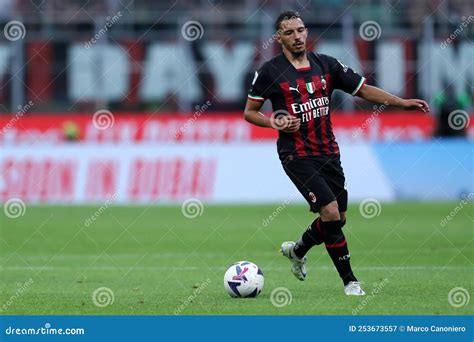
(377, 95)
(253, 115)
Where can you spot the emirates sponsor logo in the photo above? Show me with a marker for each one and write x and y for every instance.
(314, 108)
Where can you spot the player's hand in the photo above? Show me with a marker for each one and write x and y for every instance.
(294, 124)
(416, 104)
(286, 123)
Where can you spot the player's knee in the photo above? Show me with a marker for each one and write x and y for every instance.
(343, 216)
(330, 212)
(332, 232)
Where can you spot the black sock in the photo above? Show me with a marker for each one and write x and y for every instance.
(336, 245)
(312, 236)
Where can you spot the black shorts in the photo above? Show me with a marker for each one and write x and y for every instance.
(319, 179)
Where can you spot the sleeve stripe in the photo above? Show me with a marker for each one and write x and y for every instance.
(256, 98)
(361, 83)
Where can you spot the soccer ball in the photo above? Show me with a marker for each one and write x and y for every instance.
(243, 279)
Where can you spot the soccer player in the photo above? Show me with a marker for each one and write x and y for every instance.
(299, 84)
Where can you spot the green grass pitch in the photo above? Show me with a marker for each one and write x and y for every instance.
(155, 261)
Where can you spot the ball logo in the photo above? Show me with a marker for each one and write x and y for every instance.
(312, 197)
(241, 274)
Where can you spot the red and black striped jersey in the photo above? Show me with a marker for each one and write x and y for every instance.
(305, 93)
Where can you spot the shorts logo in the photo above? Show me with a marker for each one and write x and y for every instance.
(312, 197)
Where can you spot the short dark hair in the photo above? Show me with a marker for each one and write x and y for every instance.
(287, 15)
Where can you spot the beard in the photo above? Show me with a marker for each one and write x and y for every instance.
(297, 54)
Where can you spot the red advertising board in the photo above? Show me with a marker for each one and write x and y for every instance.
(215, 127)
